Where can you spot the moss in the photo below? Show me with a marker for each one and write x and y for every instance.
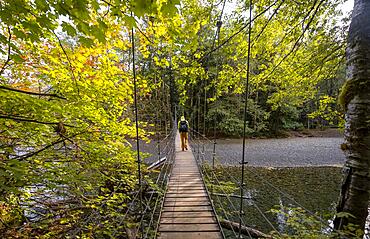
(350, 89)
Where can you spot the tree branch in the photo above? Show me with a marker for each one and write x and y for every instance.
(236, 33)
(23, 157)
(32, 93)
(9, 49)
(266, 24)
(142, 33)
(254, 233)
(31, 120)
(69, 62)
(299, 38)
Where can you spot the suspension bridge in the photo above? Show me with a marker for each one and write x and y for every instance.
(191, 194)
(194, 195)
(187, 211)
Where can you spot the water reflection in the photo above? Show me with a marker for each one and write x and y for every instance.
(314, 189)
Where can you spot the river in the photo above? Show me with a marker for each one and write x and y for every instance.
(287, 152)
(298, 172)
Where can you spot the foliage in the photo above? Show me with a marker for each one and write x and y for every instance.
(300, 224)
(291, 56)
(327, 112)
(67, 168)
(67, 158)
(226, 112)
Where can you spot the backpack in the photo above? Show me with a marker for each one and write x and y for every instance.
(183, 126)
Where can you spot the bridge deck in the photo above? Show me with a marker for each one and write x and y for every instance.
(187, 211)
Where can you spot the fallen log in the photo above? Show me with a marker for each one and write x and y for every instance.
(157, 164)
(248, 231)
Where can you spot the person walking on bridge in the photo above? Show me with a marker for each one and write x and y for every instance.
(183, 127)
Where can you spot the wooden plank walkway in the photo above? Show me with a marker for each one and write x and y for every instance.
(187, 212)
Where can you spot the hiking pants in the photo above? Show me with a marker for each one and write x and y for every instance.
(184, 140)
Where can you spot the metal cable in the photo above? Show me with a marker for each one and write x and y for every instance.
(214, 176)
(255, 205)
(166, 171)
(228, 198)
(137, 125)
(243, 162)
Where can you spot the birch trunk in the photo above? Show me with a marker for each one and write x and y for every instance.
(355, 96)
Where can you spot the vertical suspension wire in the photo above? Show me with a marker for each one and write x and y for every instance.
(137, 129)
(205, 107)
(157, 120)
(198, 112)
(241, 211)
(217, 35)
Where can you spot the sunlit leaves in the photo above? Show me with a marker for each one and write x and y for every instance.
(90, 153)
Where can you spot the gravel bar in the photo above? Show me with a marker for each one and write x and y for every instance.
(287, 152)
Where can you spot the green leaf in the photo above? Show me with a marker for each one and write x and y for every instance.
(130, 21)
(69, 29)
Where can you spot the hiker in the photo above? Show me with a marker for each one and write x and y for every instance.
(183, 127)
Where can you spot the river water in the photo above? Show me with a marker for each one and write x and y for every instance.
(292, 172)
(299, 172)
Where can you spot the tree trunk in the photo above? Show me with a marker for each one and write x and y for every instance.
(355, 97)
(248, 231)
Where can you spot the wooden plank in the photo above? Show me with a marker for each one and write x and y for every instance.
(186, 174)
(185, 162)
(187, 214)
(190, 235)
(187, 211)
(183, 220)
(210, 227)
(183, 191)
(185, 165)
(188, 161)
(180, 189)
(181, 184)
(179, 177)
(184, 171)
(186, 181)
(185, 184)
(185, 199)
(187, 208)
(185, 204)
(186, 189)
(187, 195)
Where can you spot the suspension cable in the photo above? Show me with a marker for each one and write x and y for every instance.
(137, 126)
(267, 183)
(245, 115)
(211, 179)
(207, 176)
(254, 204)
